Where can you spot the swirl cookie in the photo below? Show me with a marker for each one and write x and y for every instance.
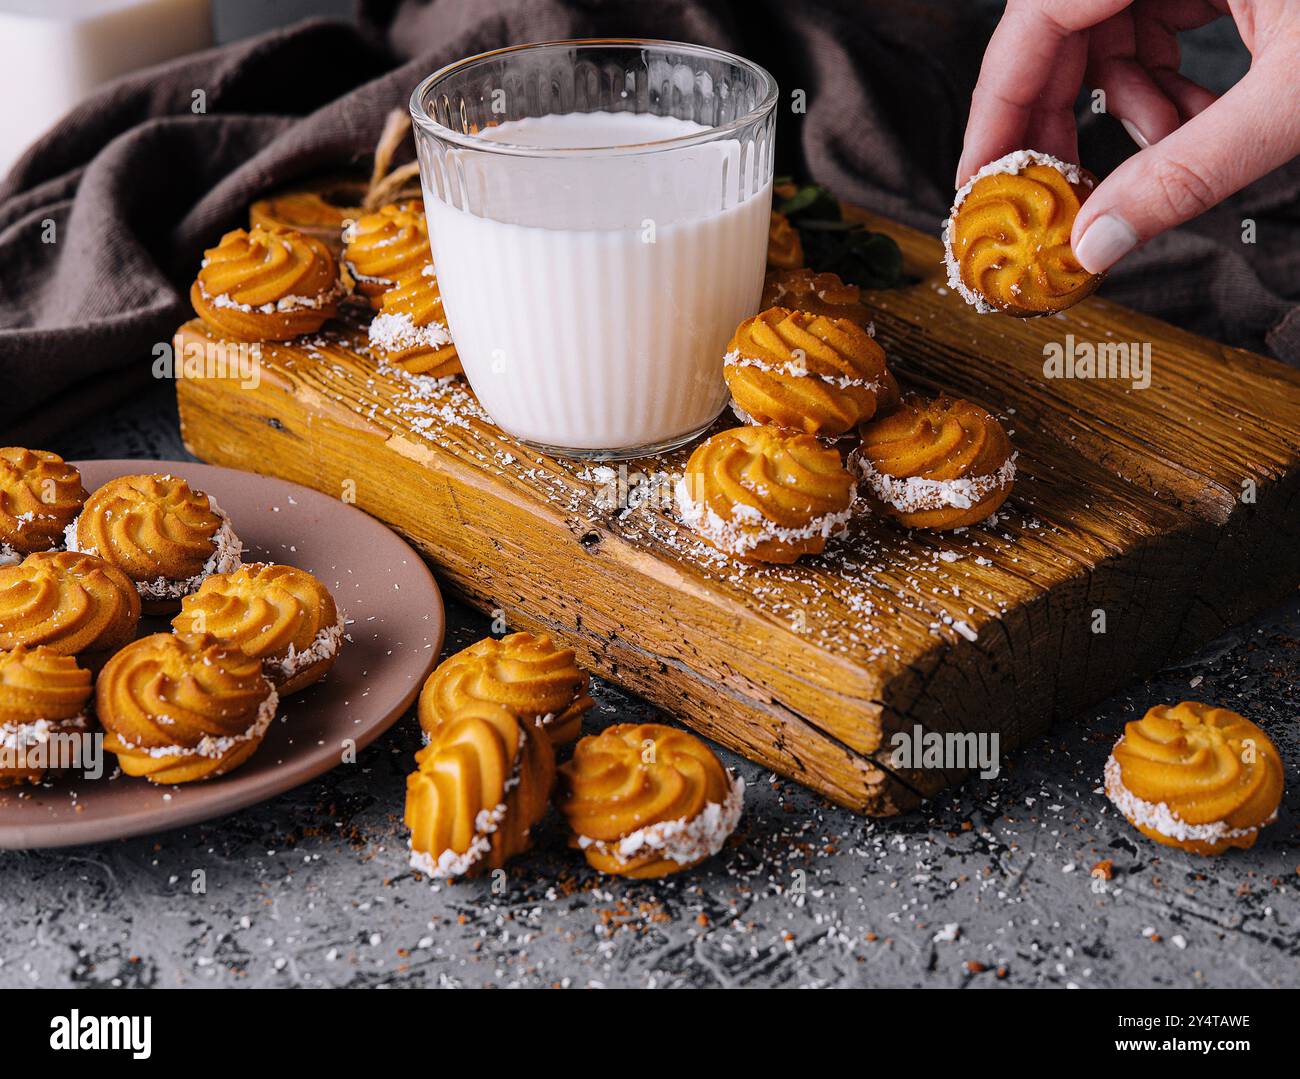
(385, 247)
(280, 615)
(1007, 239)
(266, 285)
(482, 783)
(938, 463)
(74, 604)
(804, 372)
(784, 248)
(816, 293)
(163, 534)
(1196, 777)
(410, 330)
(40, 494)
(524, 674)
(42, 695)
(644, 800)
(178, 709)
(763, 495)
(313, 213)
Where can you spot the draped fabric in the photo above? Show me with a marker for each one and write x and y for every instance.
(104, 220)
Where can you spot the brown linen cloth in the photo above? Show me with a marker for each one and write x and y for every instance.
(134, 183)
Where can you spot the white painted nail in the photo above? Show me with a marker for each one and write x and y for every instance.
(1135, 133)
(1106, 241)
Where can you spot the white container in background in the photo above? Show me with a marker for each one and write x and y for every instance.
(598, 213)
(57, 51)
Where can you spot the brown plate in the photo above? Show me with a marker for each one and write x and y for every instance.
(394, 634)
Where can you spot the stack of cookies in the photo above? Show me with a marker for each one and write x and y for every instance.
(806, 374)
(273, 282)
(641, 800)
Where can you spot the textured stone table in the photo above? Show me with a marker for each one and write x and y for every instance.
(990, 885)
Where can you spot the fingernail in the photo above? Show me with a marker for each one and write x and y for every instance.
(1135, 133)
(1105, 242)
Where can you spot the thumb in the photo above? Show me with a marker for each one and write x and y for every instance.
(1248, 132)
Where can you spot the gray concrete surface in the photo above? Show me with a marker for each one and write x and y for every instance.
(988, 886)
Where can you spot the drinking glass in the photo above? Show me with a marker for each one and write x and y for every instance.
(598, 214)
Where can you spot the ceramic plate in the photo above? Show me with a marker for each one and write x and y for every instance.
(395, 629)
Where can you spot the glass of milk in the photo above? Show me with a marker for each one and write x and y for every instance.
(598, 213)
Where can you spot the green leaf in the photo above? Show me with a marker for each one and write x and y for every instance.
(833, 245)
(811, 202)
(862, 258)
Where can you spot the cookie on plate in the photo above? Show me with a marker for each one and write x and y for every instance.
(43, 695)
(162, 533)
(281, 615)
(179, 709)
(40, 494)
(74, 604)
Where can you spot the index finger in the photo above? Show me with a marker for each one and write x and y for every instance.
(1019, 65)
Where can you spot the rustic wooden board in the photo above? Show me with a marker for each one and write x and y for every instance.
(1129, 502)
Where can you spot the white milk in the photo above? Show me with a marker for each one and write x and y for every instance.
(592, 295)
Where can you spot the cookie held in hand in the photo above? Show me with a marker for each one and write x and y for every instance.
(1007, 240)
(1196, 777)
(761, 494)
(524, 674)
(804, 372)
(267, 284)
(939, 463)
(646, 800)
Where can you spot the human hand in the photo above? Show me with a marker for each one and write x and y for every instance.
(1196, 149)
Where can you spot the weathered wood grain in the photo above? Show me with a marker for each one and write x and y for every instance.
(1129, 502)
